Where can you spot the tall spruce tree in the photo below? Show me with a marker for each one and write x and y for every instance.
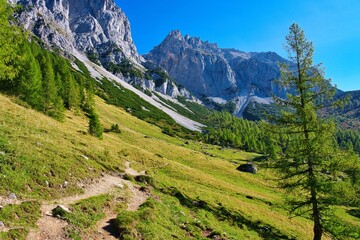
(309, 158)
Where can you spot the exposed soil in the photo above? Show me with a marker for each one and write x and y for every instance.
(50, 228)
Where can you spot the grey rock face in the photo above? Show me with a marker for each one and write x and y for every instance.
(209, 71)
(168, 87)
(90, 26)
(194, 64)
(96, 27)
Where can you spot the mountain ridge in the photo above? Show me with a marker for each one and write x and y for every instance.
(212, 72)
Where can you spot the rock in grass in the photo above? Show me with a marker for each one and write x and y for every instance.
(2, 225)
(248, 167)
(12, 196)
(119, 185)
(60, 211)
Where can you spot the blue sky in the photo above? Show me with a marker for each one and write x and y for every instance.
(257, 25)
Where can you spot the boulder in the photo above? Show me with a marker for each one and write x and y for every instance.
(2, 225)
(248, 167)
(60, 211)
(119, 185)
(12, 196)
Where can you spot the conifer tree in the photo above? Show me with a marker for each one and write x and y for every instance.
(9, 39)
(29, 79)
(69, 90)
(310, 158)
(95, 127)
(52, 102)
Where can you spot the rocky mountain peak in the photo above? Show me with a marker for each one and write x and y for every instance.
(98, 27)
(176, 34)
(269, 57)
(198, 44)
(228, 75)
(195, 64)
(176, 39)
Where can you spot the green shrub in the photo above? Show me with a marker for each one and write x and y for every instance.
(114, 128)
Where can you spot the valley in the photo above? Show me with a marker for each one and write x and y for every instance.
(206, 193)
(188, 141)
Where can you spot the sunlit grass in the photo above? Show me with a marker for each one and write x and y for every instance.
(39, 149)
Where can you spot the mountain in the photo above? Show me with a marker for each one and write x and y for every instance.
(144, 176)
(216, 74)
(180, 66)
(98, 34)
(349, 116)
(97, 27)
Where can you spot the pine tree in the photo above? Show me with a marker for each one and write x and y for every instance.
(309, 160)
(29, 79)
(52, 102)
(10, 37)
(95, 127)
(69, 90)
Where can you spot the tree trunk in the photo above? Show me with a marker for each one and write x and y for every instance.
(317, 227)
(316, 216)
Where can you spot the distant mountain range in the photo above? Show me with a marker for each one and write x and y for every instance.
(219, 75)
(180, 66)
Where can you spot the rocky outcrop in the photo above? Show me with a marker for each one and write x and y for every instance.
(97, 28)
(194, 64)
(100, 30)
(214, 73)
(168, 87)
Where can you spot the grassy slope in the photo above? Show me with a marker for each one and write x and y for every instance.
(38, 149)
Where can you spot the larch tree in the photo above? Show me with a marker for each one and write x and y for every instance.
(9, 39)
(52, 102)
(29, 79)
(309, 159)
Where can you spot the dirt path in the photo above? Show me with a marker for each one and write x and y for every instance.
(105, 226)
(138, 196)
(51, 228)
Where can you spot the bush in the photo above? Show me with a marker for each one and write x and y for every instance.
(114, 128)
